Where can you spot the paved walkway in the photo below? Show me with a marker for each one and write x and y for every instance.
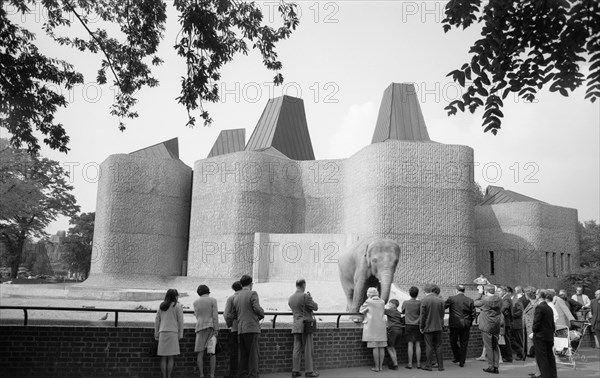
(589, 368)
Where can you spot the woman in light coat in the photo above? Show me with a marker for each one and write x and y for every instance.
(374, 330)
(168, 330)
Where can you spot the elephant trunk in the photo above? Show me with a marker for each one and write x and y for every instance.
(385, 280)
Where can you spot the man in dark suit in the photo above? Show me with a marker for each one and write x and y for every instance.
(519, 304)
(432, 321)
(248, 314)
(506, 349)
(489, 324)
(302, 306)
(229, 315)
(543, 336)
(595, 319)
(462, 313)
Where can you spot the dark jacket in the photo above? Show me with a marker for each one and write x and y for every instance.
(229, 313)
(247, 311)
(302, 306)
(507, 305)
(462, 311)
(517, 314)
(595, 320)
(543, 323)
(573, 305)
(432, 313)
(489, 318)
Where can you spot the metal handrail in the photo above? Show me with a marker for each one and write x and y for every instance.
(116, 311)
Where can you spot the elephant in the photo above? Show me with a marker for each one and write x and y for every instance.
(367, 262)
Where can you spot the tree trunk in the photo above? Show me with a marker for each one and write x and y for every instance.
(16, 255)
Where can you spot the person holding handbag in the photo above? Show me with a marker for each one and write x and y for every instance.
(374, 329)
(303, 328)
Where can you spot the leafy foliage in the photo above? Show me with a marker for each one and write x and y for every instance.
(38, 192)
(589, 243)
(587, 274)
(525, 46)
(78, 243)
(212, 32)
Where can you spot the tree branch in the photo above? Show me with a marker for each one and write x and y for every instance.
(72, 9)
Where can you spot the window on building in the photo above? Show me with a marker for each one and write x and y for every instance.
(492, 272)
(562, 262)
(547, 264)
(554, 264)
(569, 262)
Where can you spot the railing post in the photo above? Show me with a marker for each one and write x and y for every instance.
(274, 317)
(337, 323)
(24, 316)
(116, 318)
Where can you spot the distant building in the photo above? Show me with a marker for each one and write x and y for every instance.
(268, 208)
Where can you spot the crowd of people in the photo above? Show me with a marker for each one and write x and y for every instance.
(514, 324)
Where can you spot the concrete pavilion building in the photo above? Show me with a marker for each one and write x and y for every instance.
(266, 207)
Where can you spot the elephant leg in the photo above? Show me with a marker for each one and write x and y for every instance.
(360, 288)
(349, 291)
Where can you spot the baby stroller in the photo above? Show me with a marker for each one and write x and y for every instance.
(567, 342)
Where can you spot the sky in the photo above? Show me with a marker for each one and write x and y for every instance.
(339, 61)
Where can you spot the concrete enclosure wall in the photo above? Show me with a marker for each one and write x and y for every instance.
(540, 239)
(413, 192)
(287, 257)
(142, 217)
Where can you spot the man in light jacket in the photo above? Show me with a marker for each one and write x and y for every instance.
(248, 314)
(229, 314)
(489, 324)
(302, 306)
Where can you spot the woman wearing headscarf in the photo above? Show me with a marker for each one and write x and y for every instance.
(168, 330)
(374, 330)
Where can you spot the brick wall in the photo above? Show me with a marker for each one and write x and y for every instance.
(122, 352)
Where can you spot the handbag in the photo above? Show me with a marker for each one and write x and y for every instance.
(310, 326)
(153, 349)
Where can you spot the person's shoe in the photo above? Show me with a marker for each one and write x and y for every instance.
(461, 364)
(481, 359)
(409, 367)
(455, 361)
(296, 374)
(312, 374)
(496, 371)
(394, 367)
(489, 370)
(426, 368)
(441, 369)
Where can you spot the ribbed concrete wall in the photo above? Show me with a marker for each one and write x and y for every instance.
(142, 217)
(415, 193)
(521, 234)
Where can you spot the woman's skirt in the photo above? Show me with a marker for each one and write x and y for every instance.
(413, 333)
(168, 344)
(202, 337)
